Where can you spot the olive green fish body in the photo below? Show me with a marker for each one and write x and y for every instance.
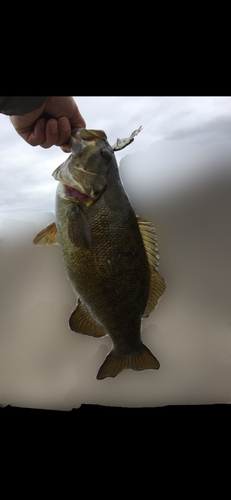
(110, 255)
(111, 275)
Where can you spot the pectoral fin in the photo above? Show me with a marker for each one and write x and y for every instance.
(157, 286)
(79, 230)
(81, 322)
(48, 235)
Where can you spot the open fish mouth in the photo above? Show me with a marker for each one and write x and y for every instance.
(78, 184)
(71, 188)
(70, 192)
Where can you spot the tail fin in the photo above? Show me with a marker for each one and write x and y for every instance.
(113, 364)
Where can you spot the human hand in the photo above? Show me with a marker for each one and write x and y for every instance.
(51, 124)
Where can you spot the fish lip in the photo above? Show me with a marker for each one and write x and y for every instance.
(82, 137)
(76, 143)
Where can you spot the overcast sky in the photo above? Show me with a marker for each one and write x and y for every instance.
(26, 183)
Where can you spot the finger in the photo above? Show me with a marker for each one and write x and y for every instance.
(38, 136)
(57, 132)
(51, 134)
(59, 106)
(65, 148)
(77, 121)
(64, 128)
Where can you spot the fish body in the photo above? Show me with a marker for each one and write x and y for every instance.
(103, 249)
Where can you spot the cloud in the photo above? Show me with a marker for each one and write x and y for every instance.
(213, 131)
(25, 174)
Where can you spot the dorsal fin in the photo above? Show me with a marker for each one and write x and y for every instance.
(157, 285)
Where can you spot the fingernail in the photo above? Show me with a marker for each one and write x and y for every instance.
(64, 123)
(54, 127)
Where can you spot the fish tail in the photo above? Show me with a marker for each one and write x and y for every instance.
(114, 364)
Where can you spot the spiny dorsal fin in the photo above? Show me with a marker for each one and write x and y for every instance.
(157, 285)
(48, 235)
(81, 322)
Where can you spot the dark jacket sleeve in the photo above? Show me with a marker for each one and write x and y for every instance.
(20, 105)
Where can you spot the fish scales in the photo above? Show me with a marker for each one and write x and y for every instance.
(104, 254)
(112, 277)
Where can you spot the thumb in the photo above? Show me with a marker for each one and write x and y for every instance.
(76, 120)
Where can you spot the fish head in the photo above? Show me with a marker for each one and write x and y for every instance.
(84, 173)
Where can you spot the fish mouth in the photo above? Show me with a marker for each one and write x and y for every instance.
(81, 137)
(71, 188)
(77, 184)
(74, 194)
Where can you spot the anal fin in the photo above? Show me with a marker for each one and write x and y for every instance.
(81, 322)
(48, 235)
(113, 364)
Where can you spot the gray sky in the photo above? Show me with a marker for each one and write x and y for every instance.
(26, 183)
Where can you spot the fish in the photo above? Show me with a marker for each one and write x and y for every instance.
(110, 254)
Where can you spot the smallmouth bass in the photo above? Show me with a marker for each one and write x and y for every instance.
(110, 255)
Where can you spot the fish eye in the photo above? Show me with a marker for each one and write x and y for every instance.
(104, 154)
